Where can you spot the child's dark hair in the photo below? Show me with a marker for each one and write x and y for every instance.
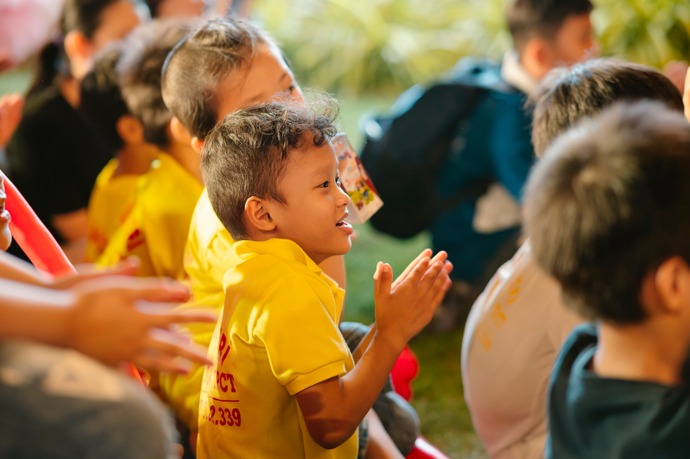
(245, 154)
(608, 204)
(81, 15)
(568, 94)
(139, 69)
(541, 18)
(197, 65)
(101, 104)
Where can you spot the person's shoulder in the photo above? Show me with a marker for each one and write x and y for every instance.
(46, 104)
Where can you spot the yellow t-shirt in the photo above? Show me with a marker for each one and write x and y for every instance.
(156, 228)
(110, 203)
(208, 255)
(278, 334)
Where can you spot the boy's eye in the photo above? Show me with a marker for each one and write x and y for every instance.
(338, 182)
(325, 184)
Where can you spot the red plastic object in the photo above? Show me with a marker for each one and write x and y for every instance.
(39, 245)
(32, 235)
(404, 371)
(425, 450)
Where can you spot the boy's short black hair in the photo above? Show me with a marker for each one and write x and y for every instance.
(608, 204)
(197, 65)
(541, 18)
(101, 103)
(246, 153)
(568, 94)
(139, 70)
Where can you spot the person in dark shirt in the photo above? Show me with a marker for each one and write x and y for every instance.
(54, 157)
(606, 210)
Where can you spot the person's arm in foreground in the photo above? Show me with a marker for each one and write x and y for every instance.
(113, 319)
(333, 408)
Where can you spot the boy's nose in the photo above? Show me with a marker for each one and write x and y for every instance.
(343, 198)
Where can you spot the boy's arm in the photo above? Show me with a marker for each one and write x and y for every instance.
(334, 408)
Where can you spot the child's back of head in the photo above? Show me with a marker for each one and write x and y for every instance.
(139, 73)
(101, 102)
(568, 94)
(608, 204)
(199, 63)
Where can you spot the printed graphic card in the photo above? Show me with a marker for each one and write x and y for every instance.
(364, 200)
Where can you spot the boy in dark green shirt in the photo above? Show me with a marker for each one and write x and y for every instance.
(607, 214)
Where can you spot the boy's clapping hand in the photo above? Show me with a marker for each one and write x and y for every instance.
(406, 305)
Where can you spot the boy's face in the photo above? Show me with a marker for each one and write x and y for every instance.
(574, 41)
(5, 236)
(264, 78)
(315, 206)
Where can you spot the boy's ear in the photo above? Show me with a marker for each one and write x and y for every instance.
(537, 57)
(130, 130)
(257, 216)
(672, 285)
(197, 144)
(77, 47)
(180, 133)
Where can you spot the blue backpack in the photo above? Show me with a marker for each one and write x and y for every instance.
(403, 150)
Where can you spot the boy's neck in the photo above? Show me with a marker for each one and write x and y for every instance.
(187, 157)
(135, 159)
(652, 351)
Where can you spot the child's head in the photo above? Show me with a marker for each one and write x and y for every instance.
(556, 32)
(568, 94)
(139, 71)
(101, 103)
(607, 207)
(225, 65)
(88, 25)
(271, 172)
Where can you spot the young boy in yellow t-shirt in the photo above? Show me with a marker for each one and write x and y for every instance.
(283, 378)
(156, 225)
(115, 189)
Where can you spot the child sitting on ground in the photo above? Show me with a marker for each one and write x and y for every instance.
(283, 378)
(154, 225)
(607, 215)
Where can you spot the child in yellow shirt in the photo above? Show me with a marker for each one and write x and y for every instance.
(283, 378)
(154, 227)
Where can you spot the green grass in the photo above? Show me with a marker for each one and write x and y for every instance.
(438, 395)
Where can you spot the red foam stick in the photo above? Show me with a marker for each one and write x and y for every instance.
(33, 236)
(38, 244)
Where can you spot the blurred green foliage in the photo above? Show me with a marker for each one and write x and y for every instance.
(360, 46)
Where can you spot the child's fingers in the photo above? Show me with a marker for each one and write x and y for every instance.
(383, 277)
(156, 290)
(172, 344)
(423, 254)
(160, 315)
